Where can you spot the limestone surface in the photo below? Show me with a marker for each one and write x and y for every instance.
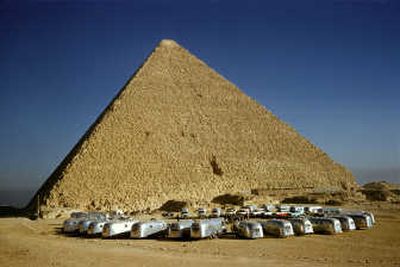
(179, 130)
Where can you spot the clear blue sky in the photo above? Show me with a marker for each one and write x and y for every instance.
(331, 69)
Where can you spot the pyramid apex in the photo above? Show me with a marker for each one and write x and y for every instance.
(168, 43)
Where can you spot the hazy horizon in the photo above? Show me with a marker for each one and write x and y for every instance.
(327, 68)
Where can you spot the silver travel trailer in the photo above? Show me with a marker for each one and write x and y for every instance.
(323, 225)
(362, 221)
(301, 226)
(248, 229)
(96, 228)
(346, 222)
(71, 225)
(180, 229)
(208, 228)
(118, 227)
(185, 213)
(370, 214)
(152, 228)
(92, 217)
(277, 228)
(201, 213)
(216, 212)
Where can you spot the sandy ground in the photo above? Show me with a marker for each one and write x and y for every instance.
(39, 243)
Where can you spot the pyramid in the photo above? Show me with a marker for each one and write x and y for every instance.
(179, 130)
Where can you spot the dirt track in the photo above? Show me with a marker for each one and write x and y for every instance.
(38, 243)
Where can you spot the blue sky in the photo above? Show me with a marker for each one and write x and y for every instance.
(331, 69)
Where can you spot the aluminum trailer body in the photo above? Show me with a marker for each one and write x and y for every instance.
(277, 228)
(362, 221)
(323, 225)
(249, 230)
(208, 228)
(180, 229)
(302, 226)
(118, 228)
(152, 228)
(346, 222)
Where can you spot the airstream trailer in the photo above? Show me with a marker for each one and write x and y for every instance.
(248, 229)
(277, 228)
(362, 221)
(301, 226)
(323, 225)
(346, 222)
(207, 228)
(216, 212)
(185, 213)
(92, 217)
(370, 214)
(180, 229)
(201, 212)
(96, 228)
(71, 225)
(118, 227)
(152, 228)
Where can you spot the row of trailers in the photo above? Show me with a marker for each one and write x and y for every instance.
(98, 224)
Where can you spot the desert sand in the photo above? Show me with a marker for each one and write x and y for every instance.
(39, 243)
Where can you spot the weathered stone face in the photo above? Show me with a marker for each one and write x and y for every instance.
(179, 130)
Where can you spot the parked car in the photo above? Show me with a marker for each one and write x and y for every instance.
(314, 210)
(277, 228)
(269, 207)
(332, 211)
(301, 226)
(180, 229)
(283, 208)
(118, 227)
(323, 225)
(208, 228)
(346, 222)
(230, 212)
(251, 207)
(152, 228)
(362, 221)
(216, 212)
(243, 212)
(248, 229)
(201, 212)
(257, 213)
(268, 214)
(296, 211)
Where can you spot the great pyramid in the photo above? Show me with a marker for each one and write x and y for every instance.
(179, 130)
